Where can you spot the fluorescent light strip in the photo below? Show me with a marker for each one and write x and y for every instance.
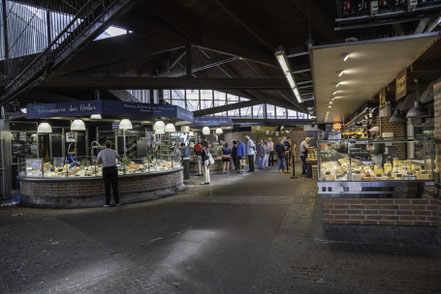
(280, 55)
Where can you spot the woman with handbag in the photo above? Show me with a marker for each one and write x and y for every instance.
(226, 158)
(206, 162)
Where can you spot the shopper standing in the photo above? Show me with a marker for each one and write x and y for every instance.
(226, 158)
(206, 160)
(241, 156)
(267, 154)
(260, 154)
(108, 158)
(198, 152)
(251, 151)
(280, 150)
(234, 156)
(304, 148)
(185, 154)
(271, 148)
(287, 152)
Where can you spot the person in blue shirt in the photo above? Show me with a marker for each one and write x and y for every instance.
(226, 158)
(287, 153)
(185, 154)
(241, 156)
(72, 158)
(280, 150)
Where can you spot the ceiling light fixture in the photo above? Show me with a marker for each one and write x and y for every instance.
(78, 125)
(340, 73)
(283, 62)
(329, 106)
(345, 56)
(125, 124)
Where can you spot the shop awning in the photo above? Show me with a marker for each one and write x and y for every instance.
(362, 68)
(108, 109)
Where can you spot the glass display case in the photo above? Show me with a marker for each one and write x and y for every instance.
(375, 160)
(85, 167)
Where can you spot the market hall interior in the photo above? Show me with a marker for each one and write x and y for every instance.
(253, 233)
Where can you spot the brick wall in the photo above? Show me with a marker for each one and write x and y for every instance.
(399, 130)
(437, 134)
(388, 212)
(95, 187)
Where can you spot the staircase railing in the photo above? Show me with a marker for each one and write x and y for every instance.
(62, 26)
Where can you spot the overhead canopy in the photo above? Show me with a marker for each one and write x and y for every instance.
(370, 66)
(107, 109)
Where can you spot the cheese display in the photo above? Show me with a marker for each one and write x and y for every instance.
(337, 163)
(36, 168)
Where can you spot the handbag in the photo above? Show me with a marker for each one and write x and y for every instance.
(210, 158)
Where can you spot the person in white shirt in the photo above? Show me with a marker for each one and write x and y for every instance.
(271, 149)
(108, 158)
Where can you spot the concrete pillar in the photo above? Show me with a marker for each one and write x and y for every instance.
(437, 134)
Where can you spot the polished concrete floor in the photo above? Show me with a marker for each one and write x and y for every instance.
(252, 233)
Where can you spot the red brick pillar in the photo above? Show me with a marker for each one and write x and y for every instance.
(437, 134)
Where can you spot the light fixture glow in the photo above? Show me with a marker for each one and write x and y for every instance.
(24, 110)
(329, 106)
(281, 58)
(44, 128)
(291, 82)
(191, 134)
(336, 92)
(78, 125)
(185, 129)
(219, 131)
(280, 55)
(170, 128)
(159, 125)
(338, 84)
(125, 124)
(96, 116)
(206, 131)
(330, 102)
(340, 73)
(346, 57)
(297, 94)
(160, 132)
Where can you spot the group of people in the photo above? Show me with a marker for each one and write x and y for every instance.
(260, 153)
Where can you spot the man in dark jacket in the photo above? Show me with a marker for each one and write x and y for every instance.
(280, 150)
(234, 156)
(260, 154)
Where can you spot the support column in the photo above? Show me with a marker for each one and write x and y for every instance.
(437, 135)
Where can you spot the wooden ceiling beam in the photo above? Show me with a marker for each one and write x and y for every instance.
(317, 17)
(253, 27)
(87, 82)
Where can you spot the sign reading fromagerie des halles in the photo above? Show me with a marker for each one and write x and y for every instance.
(401, 88)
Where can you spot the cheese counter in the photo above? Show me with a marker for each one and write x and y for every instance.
(57, 184)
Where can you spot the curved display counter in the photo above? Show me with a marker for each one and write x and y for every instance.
(71, 192)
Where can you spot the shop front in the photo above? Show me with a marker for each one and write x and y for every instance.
(376, 182)
(53, 152)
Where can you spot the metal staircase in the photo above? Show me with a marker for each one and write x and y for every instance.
(61, 26)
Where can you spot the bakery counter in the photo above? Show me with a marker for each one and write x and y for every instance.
(73, 192)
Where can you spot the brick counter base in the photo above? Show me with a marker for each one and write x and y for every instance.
(388, 212)
(386, 221)
(217, 167)
(90, 192)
